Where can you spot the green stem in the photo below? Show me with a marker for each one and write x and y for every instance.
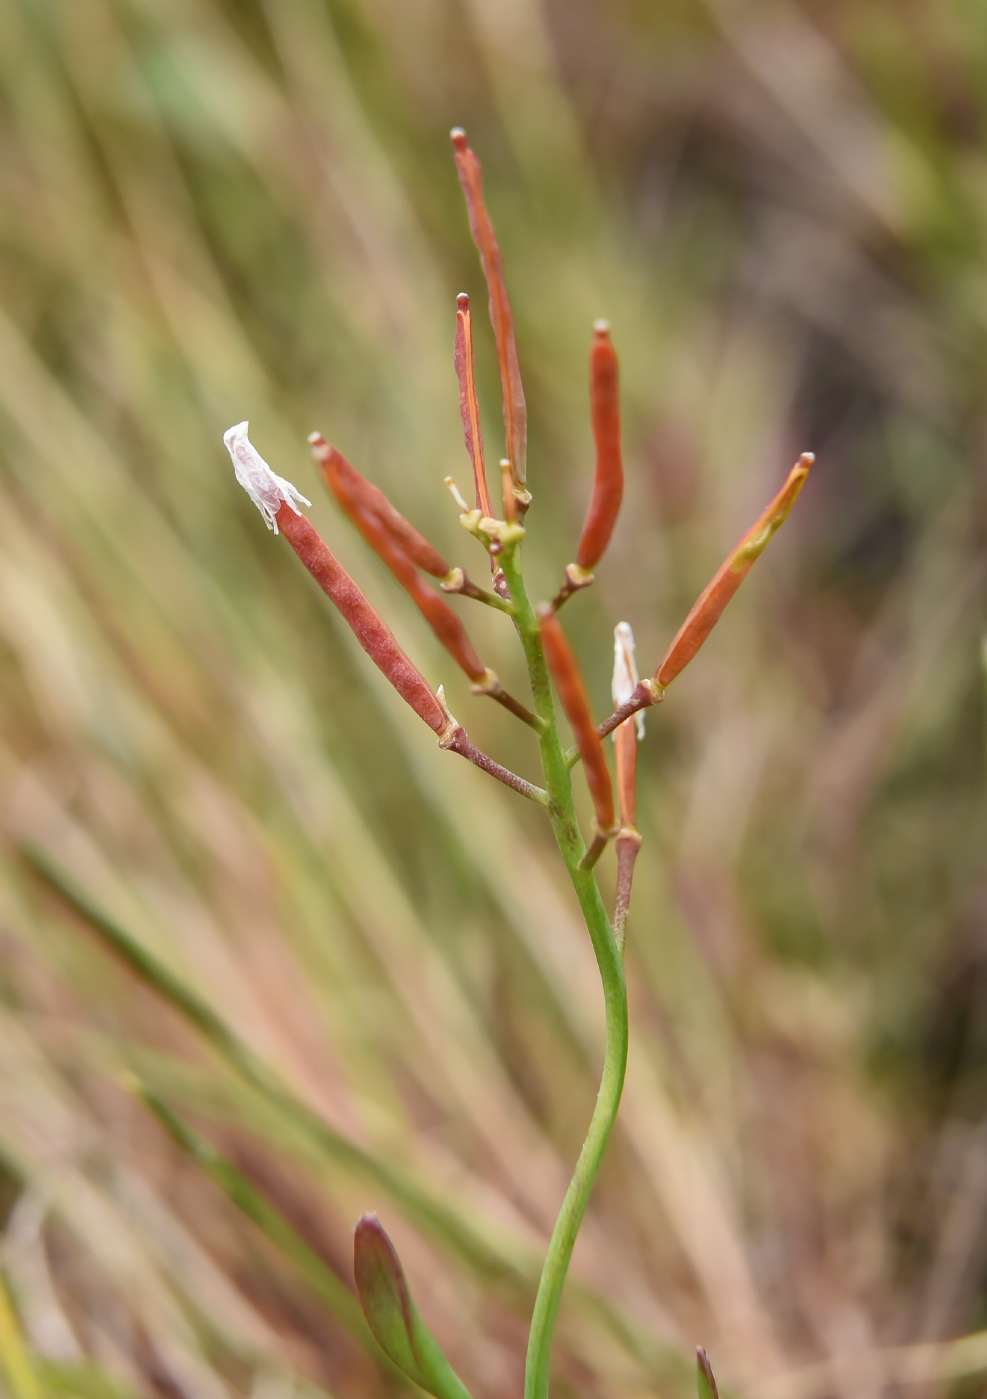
(563, 816)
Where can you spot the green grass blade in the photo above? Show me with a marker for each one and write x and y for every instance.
(233, 1183)
(420, 1207)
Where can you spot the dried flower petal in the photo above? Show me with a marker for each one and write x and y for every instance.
(625, 676)
(267, 490)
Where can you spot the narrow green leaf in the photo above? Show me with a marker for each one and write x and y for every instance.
(331, 1289)
(393, 1316)
(419, 1204)
(17, 1365)
(705, 1383)
(81, 1380)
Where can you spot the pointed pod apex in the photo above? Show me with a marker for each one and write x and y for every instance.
(458, 138)
(265, 488)
(463, 301)
(601, 327)
(705, 1383)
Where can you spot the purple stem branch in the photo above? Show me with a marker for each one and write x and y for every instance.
(459, 742)
(646, 693)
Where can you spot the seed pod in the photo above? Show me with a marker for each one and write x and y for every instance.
(388, 533)
(347, 484)
(275, 498)
(515, 411)
(608, 483)
(709, 606)
(439, 615)
(367, 625)
(468, 405)
(575, 701)
(626, 735)
(625, 753)
(451, 633)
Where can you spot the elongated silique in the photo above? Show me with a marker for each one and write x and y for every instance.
(608, 480)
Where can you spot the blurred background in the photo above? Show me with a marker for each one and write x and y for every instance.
(222, 209)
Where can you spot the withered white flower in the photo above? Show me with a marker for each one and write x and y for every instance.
(266, 489)
(625, 676)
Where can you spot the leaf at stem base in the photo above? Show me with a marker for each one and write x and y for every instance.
(705, 1383)
(392, 1315)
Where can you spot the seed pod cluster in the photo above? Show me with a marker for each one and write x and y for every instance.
(408, 555)
(380, 1280)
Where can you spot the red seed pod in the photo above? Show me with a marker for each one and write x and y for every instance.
(449, 630)
(348, 486)
(439, 615)
(367, 625)
(709, 606)
(626, 735)
(608, 483)
(625, 752)
(575, 701)
(625, 738)
(515, 411)
(468, 405)
(277, 500)
(628, 841)
(626, 848)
